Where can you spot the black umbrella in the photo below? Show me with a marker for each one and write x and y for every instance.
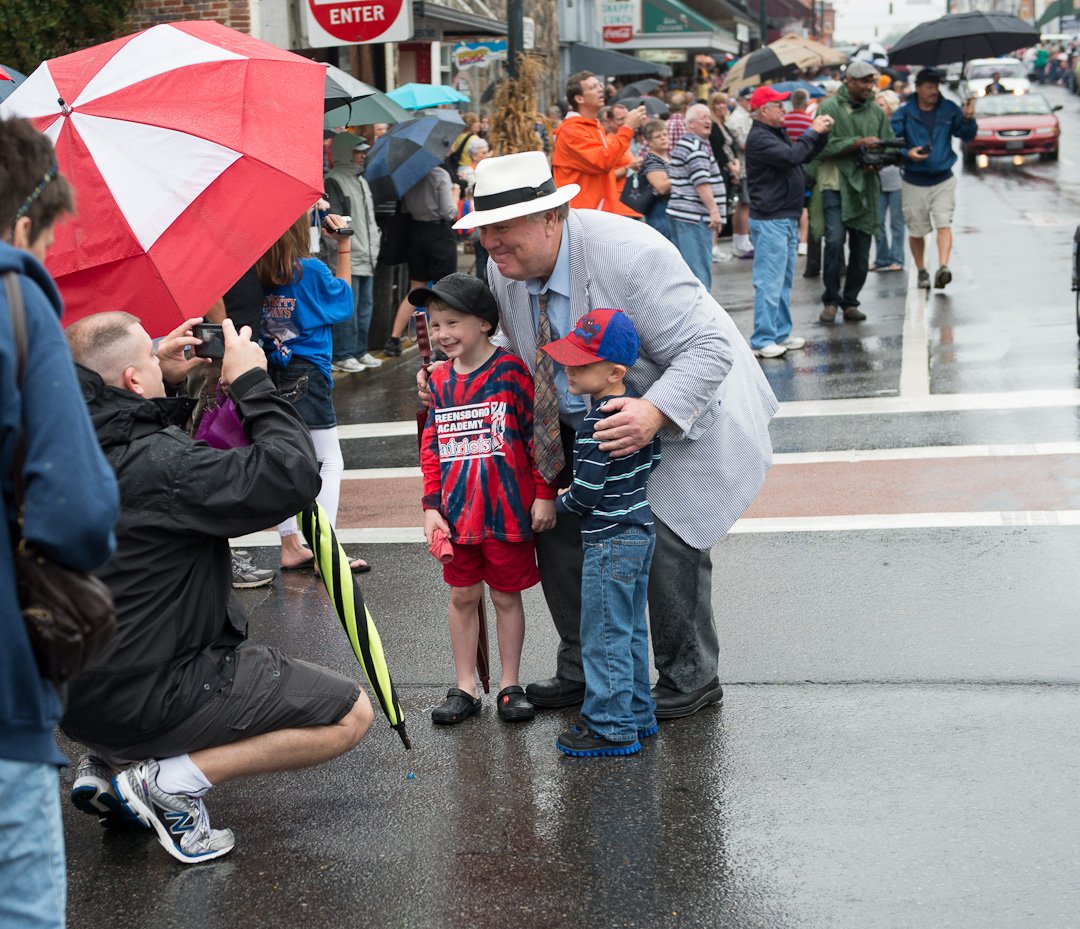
(961, 37)
(342, 88)
(654, 106)
(637, 89)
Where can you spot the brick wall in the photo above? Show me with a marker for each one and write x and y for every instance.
(233, 13)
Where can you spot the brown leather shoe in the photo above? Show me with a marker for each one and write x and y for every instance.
(853, 314)
(828, 314)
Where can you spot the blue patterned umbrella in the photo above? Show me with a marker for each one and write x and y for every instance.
(400, 159)
(786, 87)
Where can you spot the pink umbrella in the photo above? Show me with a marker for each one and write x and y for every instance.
(191, 148)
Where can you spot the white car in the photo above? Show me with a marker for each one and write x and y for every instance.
(980, 71)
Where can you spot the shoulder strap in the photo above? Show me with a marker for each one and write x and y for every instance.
(17, 313)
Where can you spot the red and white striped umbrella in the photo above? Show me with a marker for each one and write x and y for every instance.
(191, 148)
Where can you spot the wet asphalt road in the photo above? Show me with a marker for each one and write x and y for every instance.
(897, 744)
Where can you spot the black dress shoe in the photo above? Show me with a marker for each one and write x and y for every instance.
(555, 692)
(671, 704)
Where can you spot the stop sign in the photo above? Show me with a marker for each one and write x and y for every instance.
(354, 22)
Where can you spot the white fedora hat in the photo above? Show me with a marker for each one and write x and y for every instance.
(514, 185)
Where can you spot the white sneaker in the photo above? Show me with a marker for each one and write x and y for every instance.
(718, 254)
(181, 822)
(772, 350)
(370, 361)
(793, 343)
(348, 366)
(804, 248)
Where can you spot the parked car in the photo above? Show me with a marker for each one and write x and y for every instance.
(980, 71)
(1011, 124)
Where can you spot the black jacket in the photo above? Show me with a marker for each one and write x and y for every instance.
(171, 577)
(774, 170)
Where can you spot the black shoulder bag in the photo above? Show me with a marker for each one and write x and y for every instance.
(69, 615)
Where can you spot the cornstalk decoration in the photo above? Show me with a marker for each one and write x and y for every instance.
(516, 115)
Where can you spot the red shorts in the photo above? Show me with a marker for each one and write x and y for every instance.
(506, 566)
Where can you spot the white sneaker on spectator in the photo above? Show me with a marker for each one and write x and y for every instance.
(793, 343)
(718, 254)
(370, 361)
(348, 366)
(804, 248)
(772, 350)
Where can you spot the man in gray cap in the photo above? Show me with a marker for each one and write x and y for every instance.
(349, 195)
(849, 192)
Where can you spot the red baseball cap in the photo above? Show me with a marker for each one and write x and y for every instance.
(764, 95)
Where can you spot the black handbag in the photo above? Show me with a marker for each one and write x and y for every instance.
(69, 615)
(638, 193)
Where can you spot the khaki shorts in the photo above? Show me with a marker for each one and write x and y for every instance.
(269, 692)
(927, 208)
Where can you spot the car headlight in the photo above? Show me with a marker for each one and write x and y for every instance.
(1045, 130)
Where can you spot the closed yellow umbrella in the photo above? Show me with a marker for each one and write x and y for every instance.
(352, 612)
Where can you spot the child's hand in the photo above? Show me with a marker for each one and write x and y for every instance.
(433, 520)
(543, 515)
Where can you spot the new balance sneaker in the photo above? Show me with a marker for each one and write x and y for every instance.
(92, 792)
(943, 277)
(245, 575)
(347, 366)
(370, 361)
(181, 822)
(923, 279)
(793, 343)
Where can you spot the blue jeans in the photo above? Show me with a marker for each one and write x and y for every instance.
(890, 242)
(615, 634)
(351, 336)
(833, 267)
(657, 218)
(33, 892)
(776, 242)
(694, 240)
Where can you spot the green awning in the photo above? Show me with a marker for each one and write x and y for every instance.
(672, 17)
(1056, 9)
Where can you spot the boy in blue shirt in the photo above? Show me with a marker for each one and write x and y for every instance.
(618, 536)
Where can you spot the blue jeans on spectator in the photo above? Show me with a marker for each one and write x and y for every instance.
(33, 889)
(776, 242)
(351, 335)
(694, 240)
(657, 218)
(615, 634)
(858, 258)
(890, 241)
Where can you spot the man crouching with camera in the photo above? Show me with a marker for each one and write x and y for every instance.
(180, 701)
(777, 193)
(850, 190)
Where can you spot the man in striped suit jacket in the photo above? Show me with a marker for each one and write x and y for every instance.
(700, 389)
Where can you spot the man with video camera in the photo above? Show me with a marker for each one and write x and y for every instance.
(928, 122)
(849, 188)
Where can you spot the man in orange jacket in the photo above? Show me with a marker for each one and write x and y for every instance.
(584, 154)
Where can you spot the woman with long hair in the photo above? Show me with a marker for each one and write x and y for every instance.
(302, 301)
(724, 148)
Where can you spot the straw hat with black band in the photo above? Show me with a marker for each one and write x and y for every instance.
(511, 186)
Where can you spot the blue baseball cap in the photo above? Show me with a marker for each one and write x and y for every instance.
(600, 335)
